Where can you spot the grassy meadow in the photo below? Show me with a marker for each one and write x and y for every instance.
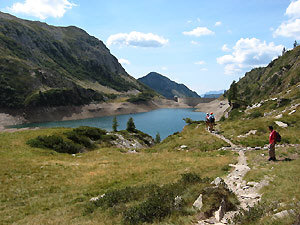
(41, 186)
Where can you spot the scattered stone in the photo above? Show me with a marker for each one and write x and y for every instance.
(283, 214)
(249, 133)
(94, 199)
(132, 151)
(177, 202)
(73, 155)
(278, 116)
(292, 112)
(219, 214)
(281, 124)
(183, 147)
(257, 148)
(198, 203)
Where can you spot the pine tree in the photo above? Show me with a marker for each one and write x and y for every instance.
(115, 124)
(157, 138)
(130, 125)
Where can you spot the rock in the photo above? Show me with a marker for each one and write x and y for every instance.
(183, 147)
(293, 111)
(219, 214)
(278, 116)
(94, 199)
(178, 202)
(283, 214)
(217, 181)
(281, 124)
(198, 203)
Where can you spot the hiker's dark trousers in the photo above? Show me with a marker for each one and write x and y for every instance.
(272, 150)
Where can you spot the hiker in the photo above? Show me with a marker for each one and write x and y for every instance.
(211, 121)
(272, 141)
(207, 121)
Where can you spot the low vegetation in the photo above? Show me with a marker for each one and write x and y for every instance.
(65, 183)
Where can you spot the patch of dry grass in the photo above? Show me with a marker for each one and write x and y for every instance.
(40, 186)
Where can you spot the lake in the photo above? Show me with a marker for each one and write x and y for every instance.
(164, 121)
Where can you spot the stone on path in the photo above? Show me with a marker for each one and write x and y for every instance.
(281, 124)
(198, 203)
(292, 112)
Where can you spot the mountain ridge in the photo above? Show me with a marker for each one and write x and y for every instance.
(166, 87)
(44, 65)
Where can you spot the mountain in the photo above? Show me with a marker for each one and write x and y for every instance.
(43, 65)
(282, 74)
(167, 87)
(213, 94)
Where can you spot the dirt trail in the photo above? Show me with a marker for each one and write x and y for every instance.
(247, 193)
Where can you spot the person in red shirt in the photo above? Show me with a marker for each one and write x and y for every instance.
(272, 141)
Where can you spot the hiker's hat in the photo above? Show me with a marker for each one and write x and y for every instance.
(211, 113)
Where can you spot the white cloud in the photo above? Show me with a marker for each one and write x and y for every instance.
(200, 63)
(291, 27)
(42, 8)
(136, 39)
(293, 10)
(194, 43)
(124, 62)
(218, 23)
(199, 31)
(249, 53)
(225, 48)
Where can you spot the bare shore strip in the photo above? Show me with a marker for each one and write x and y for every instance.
(64, 113)
(217, 106)
(38, 115)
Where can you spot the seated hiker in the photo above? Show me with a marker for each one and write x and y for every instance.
(272, 140)
(211, 121)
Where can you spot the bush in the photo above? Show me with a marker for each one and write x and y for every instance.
(255, 114)
(56, 143)
(141, 98)
(91, 132)
(82, 140)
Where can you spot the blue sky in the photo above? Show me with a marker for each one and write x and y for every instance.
(205, 44)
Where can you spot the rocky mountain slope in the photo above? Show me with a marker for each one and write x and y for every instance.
(281, 74)
(42, 65)
(167, 87)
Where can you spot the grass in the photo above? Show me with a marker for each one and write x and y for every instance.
(194, 137)
(283, 191)
(240, 126)
(41, 186)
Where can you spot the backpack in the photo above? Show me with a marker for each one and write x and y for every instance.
(278, 137)
(212, 119)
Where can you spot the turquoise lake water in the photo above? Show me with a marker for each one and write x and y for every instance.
(164, 121)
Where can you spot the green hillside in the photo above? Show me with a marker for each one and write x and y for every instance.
(42, 65)
(261, 83)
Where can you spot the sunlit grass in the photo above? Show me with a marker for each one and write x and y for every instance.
(40, 186)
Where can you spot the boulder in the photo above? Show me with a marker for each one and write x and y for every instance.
(198, 204)
(281, 124)
(283, 214)
(219, 214)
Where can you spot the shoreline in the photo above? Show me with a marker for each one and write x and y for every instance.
(65, 113)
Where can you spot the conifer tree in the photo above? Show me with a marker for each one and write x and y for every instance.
(115, 124)
(157, 138)
(130, 125)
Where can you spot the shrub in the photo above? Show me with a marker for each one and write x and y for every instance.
(157, 138)
(91, 132)
(82, 140)
(141, 98)
(55, 142)
(255, 114)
